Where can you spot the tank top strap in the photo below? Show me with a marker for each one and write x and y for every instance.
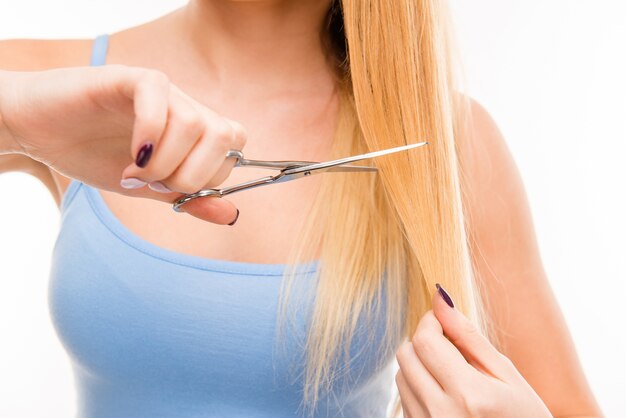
(99, 49)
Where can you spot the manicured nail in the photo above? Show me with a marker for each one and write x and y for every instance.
(236, 217)
(132, 183)
(144, 154)
(157, 186)
(444, 295)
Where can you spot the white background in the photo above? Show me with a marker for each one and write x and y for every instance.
(551, 73)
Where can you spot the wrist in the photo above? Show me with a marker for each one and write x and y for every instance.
(8, 142)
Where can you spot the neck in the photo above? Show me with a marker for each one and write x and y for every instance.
(269, 45)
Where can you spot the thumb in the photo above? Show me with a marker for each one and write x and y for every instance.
(216, 210)
(475, 347)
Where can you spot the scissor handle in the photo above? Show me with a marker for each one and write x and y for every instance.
(237, 187)
(202, 193)
(226, 190)
(237, 154)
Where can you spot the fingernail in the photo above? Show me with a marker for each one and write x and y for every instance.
(132, 183)
(236, 217)
(444, 295)
(157, 186)
(144, 154)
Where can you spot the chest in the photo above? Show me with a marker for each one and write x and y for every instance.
(270, 216)
(146, 328)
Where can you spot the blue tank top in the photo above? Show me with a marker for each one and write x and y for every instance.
(157, 333)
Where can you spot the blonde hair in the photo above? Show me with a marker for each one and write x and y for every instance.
(387, 238)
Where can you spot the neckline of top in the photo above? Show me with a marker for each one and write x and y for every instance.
(114, 225)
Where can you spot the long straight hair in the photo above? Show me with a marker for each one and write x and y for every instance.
(389, 236)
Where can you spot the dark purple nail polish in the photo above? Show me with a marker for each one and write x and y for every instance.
(236, 217)
(444, 295)
(144, 154)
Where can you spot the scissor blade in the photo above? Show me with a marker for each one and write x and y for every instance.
(351, 168)
(341, 161)
(286, 165)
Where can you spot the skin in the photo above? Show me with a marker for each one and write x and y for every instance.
(261, 63)
(449, 369)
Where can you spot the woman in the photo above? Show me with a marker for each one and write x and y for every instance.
(169, 315)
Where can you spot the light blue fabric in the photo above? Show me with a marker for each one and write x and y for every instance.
(156, 333)
(99, 49)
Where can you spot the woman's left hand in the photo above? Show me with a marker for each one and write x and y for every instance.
(462, 375)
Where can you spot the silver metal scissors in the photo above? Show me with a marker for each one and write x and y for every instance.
(289, 170)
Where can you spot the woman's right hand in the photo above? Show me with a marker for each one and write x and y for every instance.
(89, 123)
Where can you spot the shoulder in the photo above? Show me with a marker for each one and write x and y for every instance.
(39, 55)
(490, 177)
(43, 54)
(498, 217)
(479, 140)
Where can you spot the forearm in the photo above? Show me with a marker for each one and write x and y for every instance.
(8, 144)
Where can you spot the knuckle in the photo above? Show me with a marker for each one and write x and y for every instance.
(191, 120)
(429, 317)
(240, 141)
(428, 321)
(240, 134)
(223, 134)
(121, 70)
(477, 405)
(422, 341)
(152, 75)
(468, 333)
(184, 184)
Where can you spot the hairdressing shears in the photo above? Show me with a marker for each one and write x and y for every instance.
(289, 170)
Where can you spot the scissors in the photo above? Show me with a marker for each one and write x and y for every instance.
(289, 170)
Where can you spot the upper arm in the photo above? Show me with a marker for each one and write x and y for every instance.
(519, 299)
(37, 55)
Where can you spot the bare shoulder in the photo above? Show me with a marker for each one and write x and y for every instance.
(43, 54)
(40, 55)
(530, 326)
(498, 218)
(489, 170)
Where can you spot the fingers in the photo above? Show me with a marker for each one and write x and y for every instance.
(191, 154)
(195, 172)
(212, 209)
(185, 126)
(411, 405)
(150, 92)
(422, 383)
(471, 343)
(239, 137)
(189, 146)
(440, 357)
